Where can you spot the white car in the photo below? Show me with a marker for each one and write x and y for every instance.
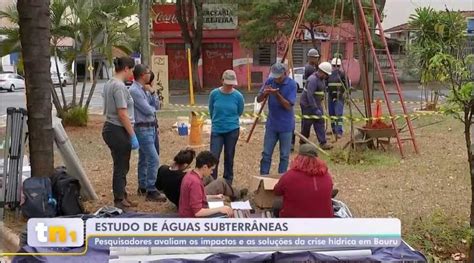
(11, 81)
(299, 72)
(65, 78)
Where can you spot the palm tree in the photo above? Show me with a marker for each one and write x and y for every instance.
(35, 34)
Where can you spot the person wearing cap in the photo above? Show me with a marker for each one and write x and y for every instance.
(311, 103)
(306, 188)
(309, 69)
(280, 91)
(226, 105)
(336, 88)
(311, 66)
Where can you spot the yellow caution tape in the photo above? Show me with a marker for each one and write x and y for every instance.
(198, 106)
(344, 118)
(394, 101)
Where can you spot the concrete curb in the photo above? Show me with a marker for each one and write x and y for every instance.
(9, 239)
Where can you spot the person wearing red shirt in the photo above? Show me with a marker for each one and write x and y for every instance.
(307, 187)
(193, 199)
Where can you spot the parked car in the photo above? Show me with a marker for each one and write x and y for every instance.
(11, 81)
(299, 72)
(65, 78)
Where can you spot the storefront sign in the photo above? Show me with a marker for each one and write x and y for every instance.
(317, 35)
(164, 18)
(220, 16)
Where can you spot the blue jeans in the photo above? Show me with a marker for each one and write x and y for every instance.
(269, 142)
(228, 141)
(336, 108)
(148, 159)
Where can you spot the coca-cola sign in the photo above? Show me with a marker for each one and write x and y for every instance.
(164, 18)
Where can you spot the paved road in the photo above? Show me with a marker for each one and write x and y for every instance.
(17, 99)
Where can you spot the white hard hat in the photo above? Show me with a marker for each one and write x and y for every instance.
(325, 67)
(336, 62)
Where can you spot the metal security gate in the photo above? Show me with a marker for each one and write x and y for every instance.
(216, 58)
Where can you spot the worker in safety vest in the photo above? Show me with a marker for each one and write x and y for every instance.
(336, 87)
(311, 103)
(310, 67)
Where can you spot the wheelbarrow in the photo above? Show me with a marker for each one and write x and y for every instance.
(375, 137)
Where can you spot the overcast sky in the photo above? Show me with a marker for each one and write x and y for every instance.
(398, 11)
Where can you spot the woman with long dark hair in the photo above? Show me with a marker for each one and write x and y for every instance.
(307, 187)
(118, 131)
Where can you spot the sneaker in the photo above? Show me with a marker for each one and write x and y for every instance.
(155, 196)
(141, 191)
(326, 146)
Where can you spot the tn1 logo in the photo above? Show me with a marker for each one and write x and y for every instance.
(54, 234)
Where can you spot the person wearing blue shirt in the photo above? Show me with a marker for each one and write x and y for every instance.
(280, 91)
(146, 106)
(226, 105)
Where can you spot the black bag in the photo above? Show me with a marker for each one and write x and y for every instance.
(38, 198)
(67, 191)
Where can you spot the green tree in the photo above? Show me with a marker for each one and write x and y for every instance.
(34, 31)
(434, 33)
(95, 26)
(263, 21)
(452, 67)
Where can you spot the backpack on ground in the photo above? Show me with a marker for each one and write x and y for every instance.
(39, 200)
(67, 191)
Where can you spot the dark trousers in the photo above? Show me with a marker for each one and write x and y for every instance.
(118, 141)
(228, 141)
(336, 109)
(318, 125)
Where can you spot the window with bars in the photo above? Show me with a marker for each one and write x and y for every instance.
(264, 55)
(342, 50)
(298, 55)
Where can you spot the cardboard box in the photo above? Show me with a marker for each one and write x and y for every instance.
(262, 188)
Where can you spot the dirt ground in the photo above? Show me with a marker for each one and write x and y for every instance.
(435, 180)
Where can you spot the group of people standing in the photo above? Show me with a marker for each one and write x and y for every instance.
(131, 124)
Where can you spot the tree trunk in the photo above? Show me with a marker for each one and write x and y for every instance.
(83, 91)
(94, 83)
(59, 77)
(35, 35)
(144, 18)
(468, 122)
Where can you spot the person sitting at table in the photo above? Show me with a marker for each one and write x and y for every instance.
(193, 198)
(306, 188)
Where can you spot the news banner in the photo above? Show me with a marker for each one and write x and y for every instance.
(214, 232)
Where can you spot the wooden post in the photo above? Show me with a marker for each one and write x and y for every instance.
(249, 78)
(191, 90)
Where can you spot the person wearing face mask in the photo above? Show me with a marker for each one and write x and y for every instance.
(311, 103)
